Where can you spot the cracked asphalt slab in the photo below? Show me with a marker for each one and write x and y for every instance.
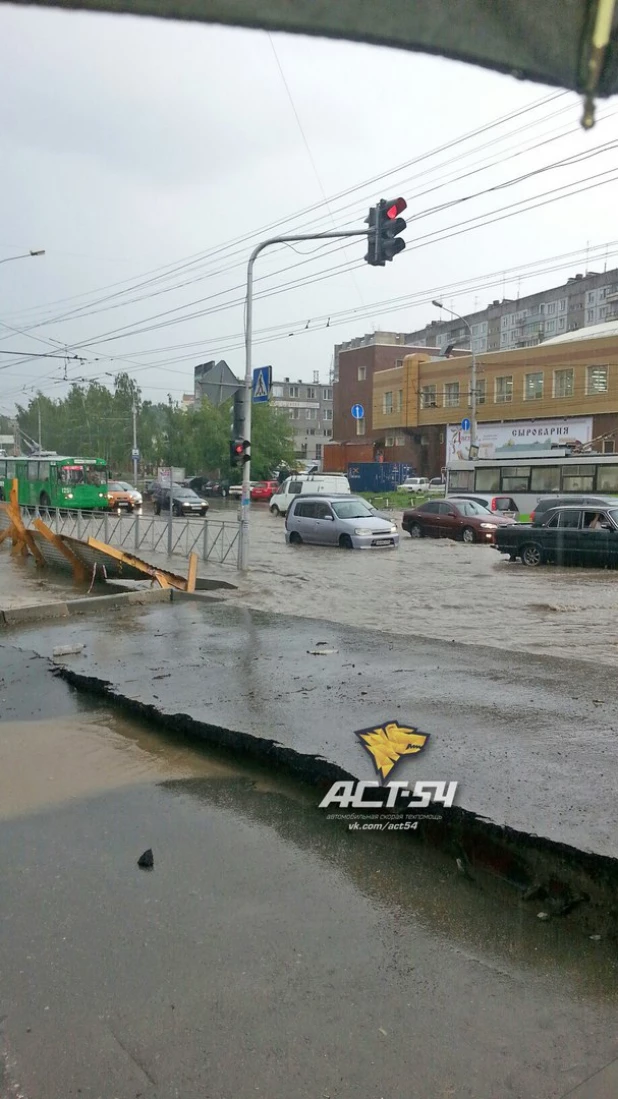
(269, 952)
(531, 740)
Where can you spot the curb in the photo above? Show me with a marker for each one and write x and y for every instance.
(43, 611)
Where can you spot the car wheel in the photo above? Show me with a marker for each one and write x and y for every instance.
(468, 536)
(274, 510)
(345, 542)
(295, 538)
(177, 510)
(44, 500)
(532, 555)
(416, 531)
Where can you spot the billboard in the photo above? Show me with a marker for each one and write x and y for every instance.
(523, 436)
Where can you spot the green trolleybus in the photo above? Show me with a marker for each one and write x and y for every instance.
(50, 481)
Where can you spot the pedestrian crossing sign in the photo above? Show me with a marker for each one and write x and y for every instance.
(262, 381)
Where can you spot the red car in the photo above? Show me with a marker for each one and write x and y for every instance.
(264, 490)
(462, 519)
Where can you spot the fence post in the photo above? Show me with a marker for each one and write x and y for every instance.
(106, 529)
(136, 522)
(79, 523)
(57, 520)
(205, 543)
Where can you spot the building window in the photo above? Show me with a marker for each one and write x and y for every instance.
(360, 426)
(451, 394)
(560, 322)
(399, 404)
(563, 383)
(293, 391)
(609, 446)
(550, 326)
(294, 413)
(505, 322)
(311, 413)
(387, 403)
(327, 413)
(481, 392)
(362, 373)
(389, 440)
(504, 389)
(400, 439)
(310, 393)
(590, 297)
(311, 431)
(277, 391)
(562, 305)
(533, 386)
(328, 432)
(327, 394)
(429, 396)
(596, 380)
(318, 450)
(551, 307)
(589, 316)
(398, 363)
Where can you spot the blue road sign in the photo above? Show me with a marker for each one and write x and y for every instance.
(358, 412)
(465, 425)
(135, 455)
(262, 382)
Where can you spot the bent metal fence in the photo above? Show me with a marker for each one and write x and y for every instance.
(212, 539)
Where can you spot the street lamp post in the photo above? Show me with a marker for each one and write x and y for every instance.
(440, 305)
(25, 255)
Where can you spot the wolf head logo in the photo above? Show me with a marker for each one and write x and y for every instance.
(387, 744)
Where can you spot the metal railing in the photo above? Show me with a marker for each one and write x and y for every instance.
(212, 539)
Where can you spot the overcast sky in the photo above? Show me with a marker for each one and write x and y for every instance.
(133, 145)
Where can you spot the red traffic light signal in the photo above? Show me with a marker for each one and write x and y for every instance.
(395, 207)
(240, 452)
(384, 229)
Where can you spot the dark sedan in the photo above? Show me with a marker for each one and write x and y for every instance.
(568, 536)
(185, 502)
(461, 519)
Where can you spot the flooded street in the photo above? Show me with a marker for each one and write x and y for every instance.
(270, 951)
(437, 588)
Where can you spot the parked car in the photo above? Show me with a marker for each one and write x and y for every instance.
(185, 501)
(264, 490)
(546, 502)
(463, 519)
(205, 486)
(501, 504)
(235, 491)
(123, 497)
(437, 486)
(568, 535)
(414, 485)
(314, 484)
(338, 520)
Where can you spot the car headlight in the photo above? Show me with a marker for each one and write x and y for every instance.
(489, 526)
(394, 529)
(360, 530)
(69, 495)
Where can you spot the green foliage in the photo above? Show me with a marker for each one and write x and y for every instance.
(94, 421)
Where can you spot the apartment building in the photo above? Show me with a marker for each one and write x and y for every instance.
(582, 301)
(310, 409)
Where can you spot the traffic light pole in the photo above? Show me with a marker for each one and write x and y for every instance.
(246, 473)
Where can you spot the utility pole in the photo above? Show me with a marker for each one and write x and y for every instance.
(134, 444)
(246, 473)
(473, 431)
(39, 411)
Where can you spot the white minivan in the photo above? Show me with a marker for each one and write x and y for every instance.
(335, 484)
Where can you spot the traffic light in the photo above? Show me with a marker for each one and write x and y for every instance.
(385, 225)
(240, 452)
(236, 452)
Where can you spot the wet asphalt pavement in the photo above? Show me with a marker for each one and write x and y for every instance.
(270, 951)
(531, 741)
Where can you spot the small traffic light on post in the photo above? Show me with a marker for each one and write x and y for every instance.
(240, 452)
(385, 225)
(236, 452)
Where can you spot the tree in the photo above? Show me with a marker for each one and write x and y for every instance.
(272, 441)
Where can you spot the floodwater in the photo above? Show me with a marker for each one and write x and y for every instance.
(270, 951)
(437, 588)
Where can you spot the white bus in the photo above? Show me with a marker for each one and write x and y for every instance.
(527, 477)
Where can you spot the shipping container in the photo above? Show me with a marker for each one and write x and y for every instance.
(378, 476)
